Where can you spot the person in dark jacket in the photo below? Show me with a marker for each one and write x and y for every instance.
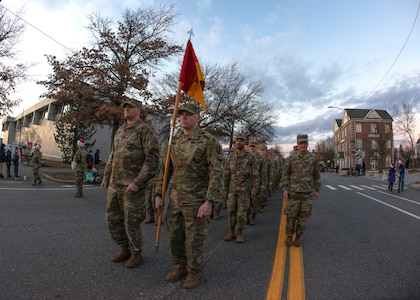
(391, 178)
(2, 159)
(97, 160)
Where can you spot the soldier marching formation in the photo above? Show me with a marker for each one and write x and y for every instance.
(203, 182)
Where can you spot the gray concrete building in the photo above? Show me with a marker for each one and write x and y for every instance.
(39, 121)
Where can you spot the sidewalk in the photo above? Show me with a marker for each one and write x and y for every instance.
(65, 175)
(412, 179)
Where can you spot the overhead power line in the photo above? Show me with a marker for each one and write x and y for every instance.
(399, 54)
(33, 26)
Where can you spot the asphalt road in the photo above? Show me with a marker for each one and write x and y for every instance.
(361, 243)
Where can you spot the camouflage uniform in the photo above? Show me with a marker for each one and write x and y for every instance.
(241, 178)
(36, 164)
(301, 177)
(150, 197)
(196, 167)
(80, 159)
(267, 191)
(133, 159)
(262, 179)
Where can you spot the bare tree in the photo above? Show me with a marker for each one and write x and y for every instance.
(325, 148)
(405, 123)
(124, 55)
(11, 73)
(233, 104)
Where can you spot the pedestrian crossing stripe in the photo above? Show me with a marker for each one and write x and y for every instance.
(330, 187)
(357, 187)
(344, 187)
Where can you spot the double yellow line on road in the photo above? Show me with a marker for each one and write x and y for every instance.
(296, 283)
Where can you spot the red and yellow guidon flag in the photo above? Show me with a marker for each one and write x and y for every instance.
(191, 76)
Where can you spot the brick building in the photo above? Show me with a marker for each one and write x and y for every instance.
(364, 137)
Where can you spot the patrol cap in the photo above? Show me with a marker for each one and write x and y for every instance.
(240, 136)
(131, 102)
(190, 107)
(302, 138)
(253, 144)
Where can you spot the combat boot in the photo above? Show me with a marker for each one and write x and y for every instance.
(252, 222)
(122, 254)
(297, 241)
(176, 273)
(192, 280)
(216, 215)
(239, 237)
(78, 195)
(150, 219)
(231, 233)
(134, 260)
(289, 241)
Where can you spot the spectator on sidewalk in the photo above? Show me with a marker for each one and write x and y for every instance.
(97, 160)
(8, 162)
(89, 161)
(2, 159)
(15, 159)
(401, 175)
(391, 178)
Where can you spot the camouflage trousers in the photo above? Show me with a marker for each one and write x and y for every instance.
(124, 214)
(254, 205)
(79, 181)
(35, 171)
(150, 201)
(186, 234)
(298, 210)
(237, 207)
(263, 197)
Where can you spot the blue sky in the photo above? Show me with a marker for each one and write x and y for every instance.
(309, 54)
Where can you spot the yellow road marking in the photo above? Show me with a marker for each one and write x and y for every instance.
(277, 274)
(296, 286)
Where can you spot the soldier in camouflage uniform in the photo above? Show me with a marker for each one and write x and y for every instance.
(240, 185)
(301, 181)
(133, 161)
(268, 182)
(150, 197)
(196, 167)
(36, 164)
(262, 179)
(80, 159)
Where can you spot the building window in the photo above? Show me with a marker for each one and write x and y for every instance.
(388, 144)
(358, 127)
(359, 144)
(387, 128)
(373, 128)
(374, 144)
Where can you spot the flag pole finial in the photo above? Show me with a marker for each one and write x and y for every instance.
(191, 33)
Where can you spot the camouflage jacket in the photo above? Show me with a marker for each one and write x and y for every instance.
(134, 156)
(196, 168)
(262, 169)
(80, 159)
(241, 173)
(36, 159)
(301, 173)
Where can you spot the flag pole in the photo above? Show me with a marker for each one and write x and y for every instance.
(167, 159)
